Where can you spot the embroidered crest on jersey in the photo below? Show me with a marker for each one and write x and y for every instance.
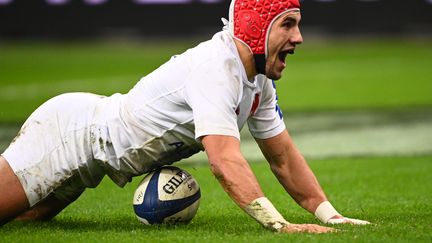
(255, 104)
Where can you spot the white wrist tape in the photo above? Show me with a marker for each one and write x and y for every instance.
(325, 211)
(263, 211)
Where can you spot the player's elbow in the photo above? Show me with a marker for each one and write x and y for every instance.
(223, 165)
(283, 174)
(279, 168)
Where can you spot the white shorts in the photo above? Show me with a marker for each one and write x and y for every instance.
(52, 151)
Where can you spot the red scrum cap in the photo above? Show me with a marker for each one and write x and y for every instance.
(250, 21)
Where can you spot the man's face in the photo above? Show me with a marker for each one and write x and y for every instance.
(283, 37)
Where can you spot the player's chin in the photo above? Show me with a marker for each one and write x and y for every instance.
(274, 74)
(274, 71)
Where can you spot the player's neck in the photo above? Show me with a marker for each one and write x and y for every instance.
(247, 59)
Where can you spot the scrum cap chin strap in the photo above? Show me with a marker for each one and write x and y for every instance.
(260, 63)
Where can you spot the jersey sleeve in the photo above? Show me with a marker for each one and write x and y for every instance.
(212, 91)
(267, 121)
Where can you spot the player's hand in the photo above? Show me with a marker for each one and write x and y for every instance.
(306, 228)
(339, 219)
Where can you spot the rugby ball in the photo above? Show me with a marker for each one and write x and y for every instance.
(167, 195)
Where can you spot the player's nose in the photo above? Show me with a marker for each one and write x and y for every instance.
(296, 38)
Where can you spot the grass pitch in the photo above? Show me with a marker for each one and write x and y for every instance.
(381, 77)
(393, 193)
(320, 76)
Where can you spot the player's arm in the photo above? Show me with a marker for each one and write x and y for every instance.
(297, 178)
(231, 169)
(237, 179)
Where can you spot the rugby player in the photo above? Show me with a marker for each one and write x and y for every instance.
(196, 101)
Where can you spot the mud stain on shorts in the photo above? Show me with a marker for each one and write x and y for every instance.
(101, 145)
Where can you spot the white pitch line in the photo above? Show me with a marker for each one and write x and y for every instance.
(394, 139)
(31, 91)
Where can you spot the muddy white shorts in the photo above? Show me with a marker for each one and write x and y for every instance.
(52, 151)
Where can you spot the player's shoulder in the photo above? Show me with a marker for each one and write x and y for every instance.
(218, 51)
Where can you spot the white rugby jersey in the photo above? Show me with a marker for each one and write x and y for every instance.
(204, 91)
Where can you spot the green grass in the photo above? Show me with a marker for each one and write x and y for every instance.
(31, 73)
(384, 75)
(321, 76)
(393, 193)
(358, 75)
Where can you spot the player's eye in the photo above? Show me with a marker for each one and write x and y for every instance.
(288, 23)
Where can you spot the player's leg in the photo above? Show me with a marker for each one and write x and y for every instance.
(52, 147)
(45, 209)
(13, 199)
(14, 203)
(55, 202)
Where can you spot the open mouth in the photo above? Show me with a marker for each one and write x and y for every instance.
(283, 54)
